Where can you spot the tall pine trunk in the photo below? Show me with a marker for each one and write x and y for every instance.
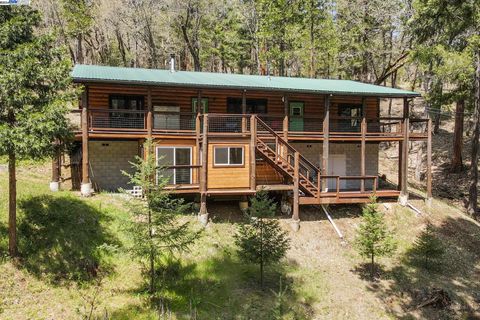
(12, 204)
(457, 161)
(472, 199)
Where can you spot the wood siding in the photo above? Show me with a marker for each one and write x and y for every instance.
(98, 98)
(228, 177)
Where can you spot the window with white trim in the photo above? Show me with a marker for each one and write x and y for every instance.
(228, 156)
(179, 159)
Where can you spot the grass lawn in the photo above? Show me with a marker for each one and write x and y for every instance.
(64, 240)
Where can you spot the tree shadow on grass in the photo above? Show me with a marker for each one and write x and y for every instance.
(63, 238)
(459, 276)
(222, 287)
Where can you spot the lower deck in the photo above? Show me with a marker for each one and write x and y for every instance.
(181, 161)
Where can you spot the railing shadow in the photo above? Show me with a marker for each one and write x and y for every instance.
(63, 238)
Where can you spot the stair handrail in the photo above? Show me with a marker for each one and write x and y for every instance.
(306, 163)
(286, 143)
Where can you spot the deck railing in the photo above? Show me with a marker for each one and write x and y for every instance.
(186, 123)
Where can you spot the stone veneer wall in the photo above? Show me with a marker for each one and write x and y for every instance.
(313, 152)
(108, 159)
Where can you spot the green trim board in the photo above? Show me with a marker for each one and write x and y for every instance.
(160, 77)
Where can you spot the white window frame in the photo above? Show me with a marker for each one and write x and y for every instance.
(175, 160)
(228, 156)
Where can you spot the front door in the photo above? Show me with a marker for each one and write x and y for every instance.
(296, 116)
(176, 156)
(337, 166)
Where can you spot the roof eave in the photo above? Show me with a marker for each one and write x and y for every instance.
(166, 84)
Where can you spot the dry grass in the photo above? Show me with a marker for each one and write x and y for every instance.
(325, 276)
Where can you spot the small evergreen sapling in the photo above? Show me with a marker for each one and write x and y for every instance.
(155, 228)
(428, 248)
(373, 237)
(261, 240)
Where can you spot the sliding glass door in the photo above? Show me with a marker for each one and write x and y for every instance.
(175, 157)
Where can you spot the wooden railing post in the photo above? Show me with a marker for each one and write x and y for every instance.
(296, 178)
(338, 187)
(149, 114)
(285, 118)
(253, 148)
(244, 111)
(319, 183)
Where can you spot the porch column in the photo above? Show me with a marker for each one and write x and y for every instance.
(404, 162)
(244, 110)
(203, 214)
(198, 126)
(429, 163)
(56, 168)
(149, 119)
(86, 187)
(285, 117)
(363, 145)
(253, 147)
(326, 138)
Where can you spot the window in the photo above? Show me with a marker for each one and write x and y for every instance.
(124, 118)
(257, 106)
(228, 156)
(178, 157)
(351, 114)
(123, 102)
(166, 117)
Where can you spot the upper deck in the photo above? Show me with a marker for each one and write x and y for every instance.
(123, 111)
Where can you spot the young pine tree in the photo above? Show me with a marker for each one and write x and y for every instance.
(261, 240)
(155, 228)
(373, 237)
(428, 249)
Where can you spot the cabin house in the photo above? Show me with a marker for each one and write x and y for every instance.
(315, 140)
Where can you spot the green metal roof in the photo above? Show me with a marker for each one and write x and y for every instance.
(104, 74)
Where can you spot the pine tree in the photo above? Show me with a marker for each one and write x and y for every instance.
(35, 90)
(428, 249)
(373, 237)
(154, 226)
(261, 240)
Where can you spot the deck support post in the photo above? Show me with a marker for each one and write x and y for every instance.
(56, 168)
(326, 138)
(244, 111)
(86, 187)
(253, 148)
(403, 199)
(363, 144)
(203, 214)
(149, 114)
(429, 163)
(296, 178)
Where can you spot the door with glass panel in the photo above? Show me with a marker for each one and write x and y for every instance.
(175, 157)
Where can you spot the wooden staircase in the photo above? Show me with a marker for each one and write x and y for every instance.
(288, 161)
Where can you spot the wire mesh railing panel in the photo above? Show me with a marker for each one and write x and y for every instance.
(174, 121)
(117, 119)
(228, 123)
